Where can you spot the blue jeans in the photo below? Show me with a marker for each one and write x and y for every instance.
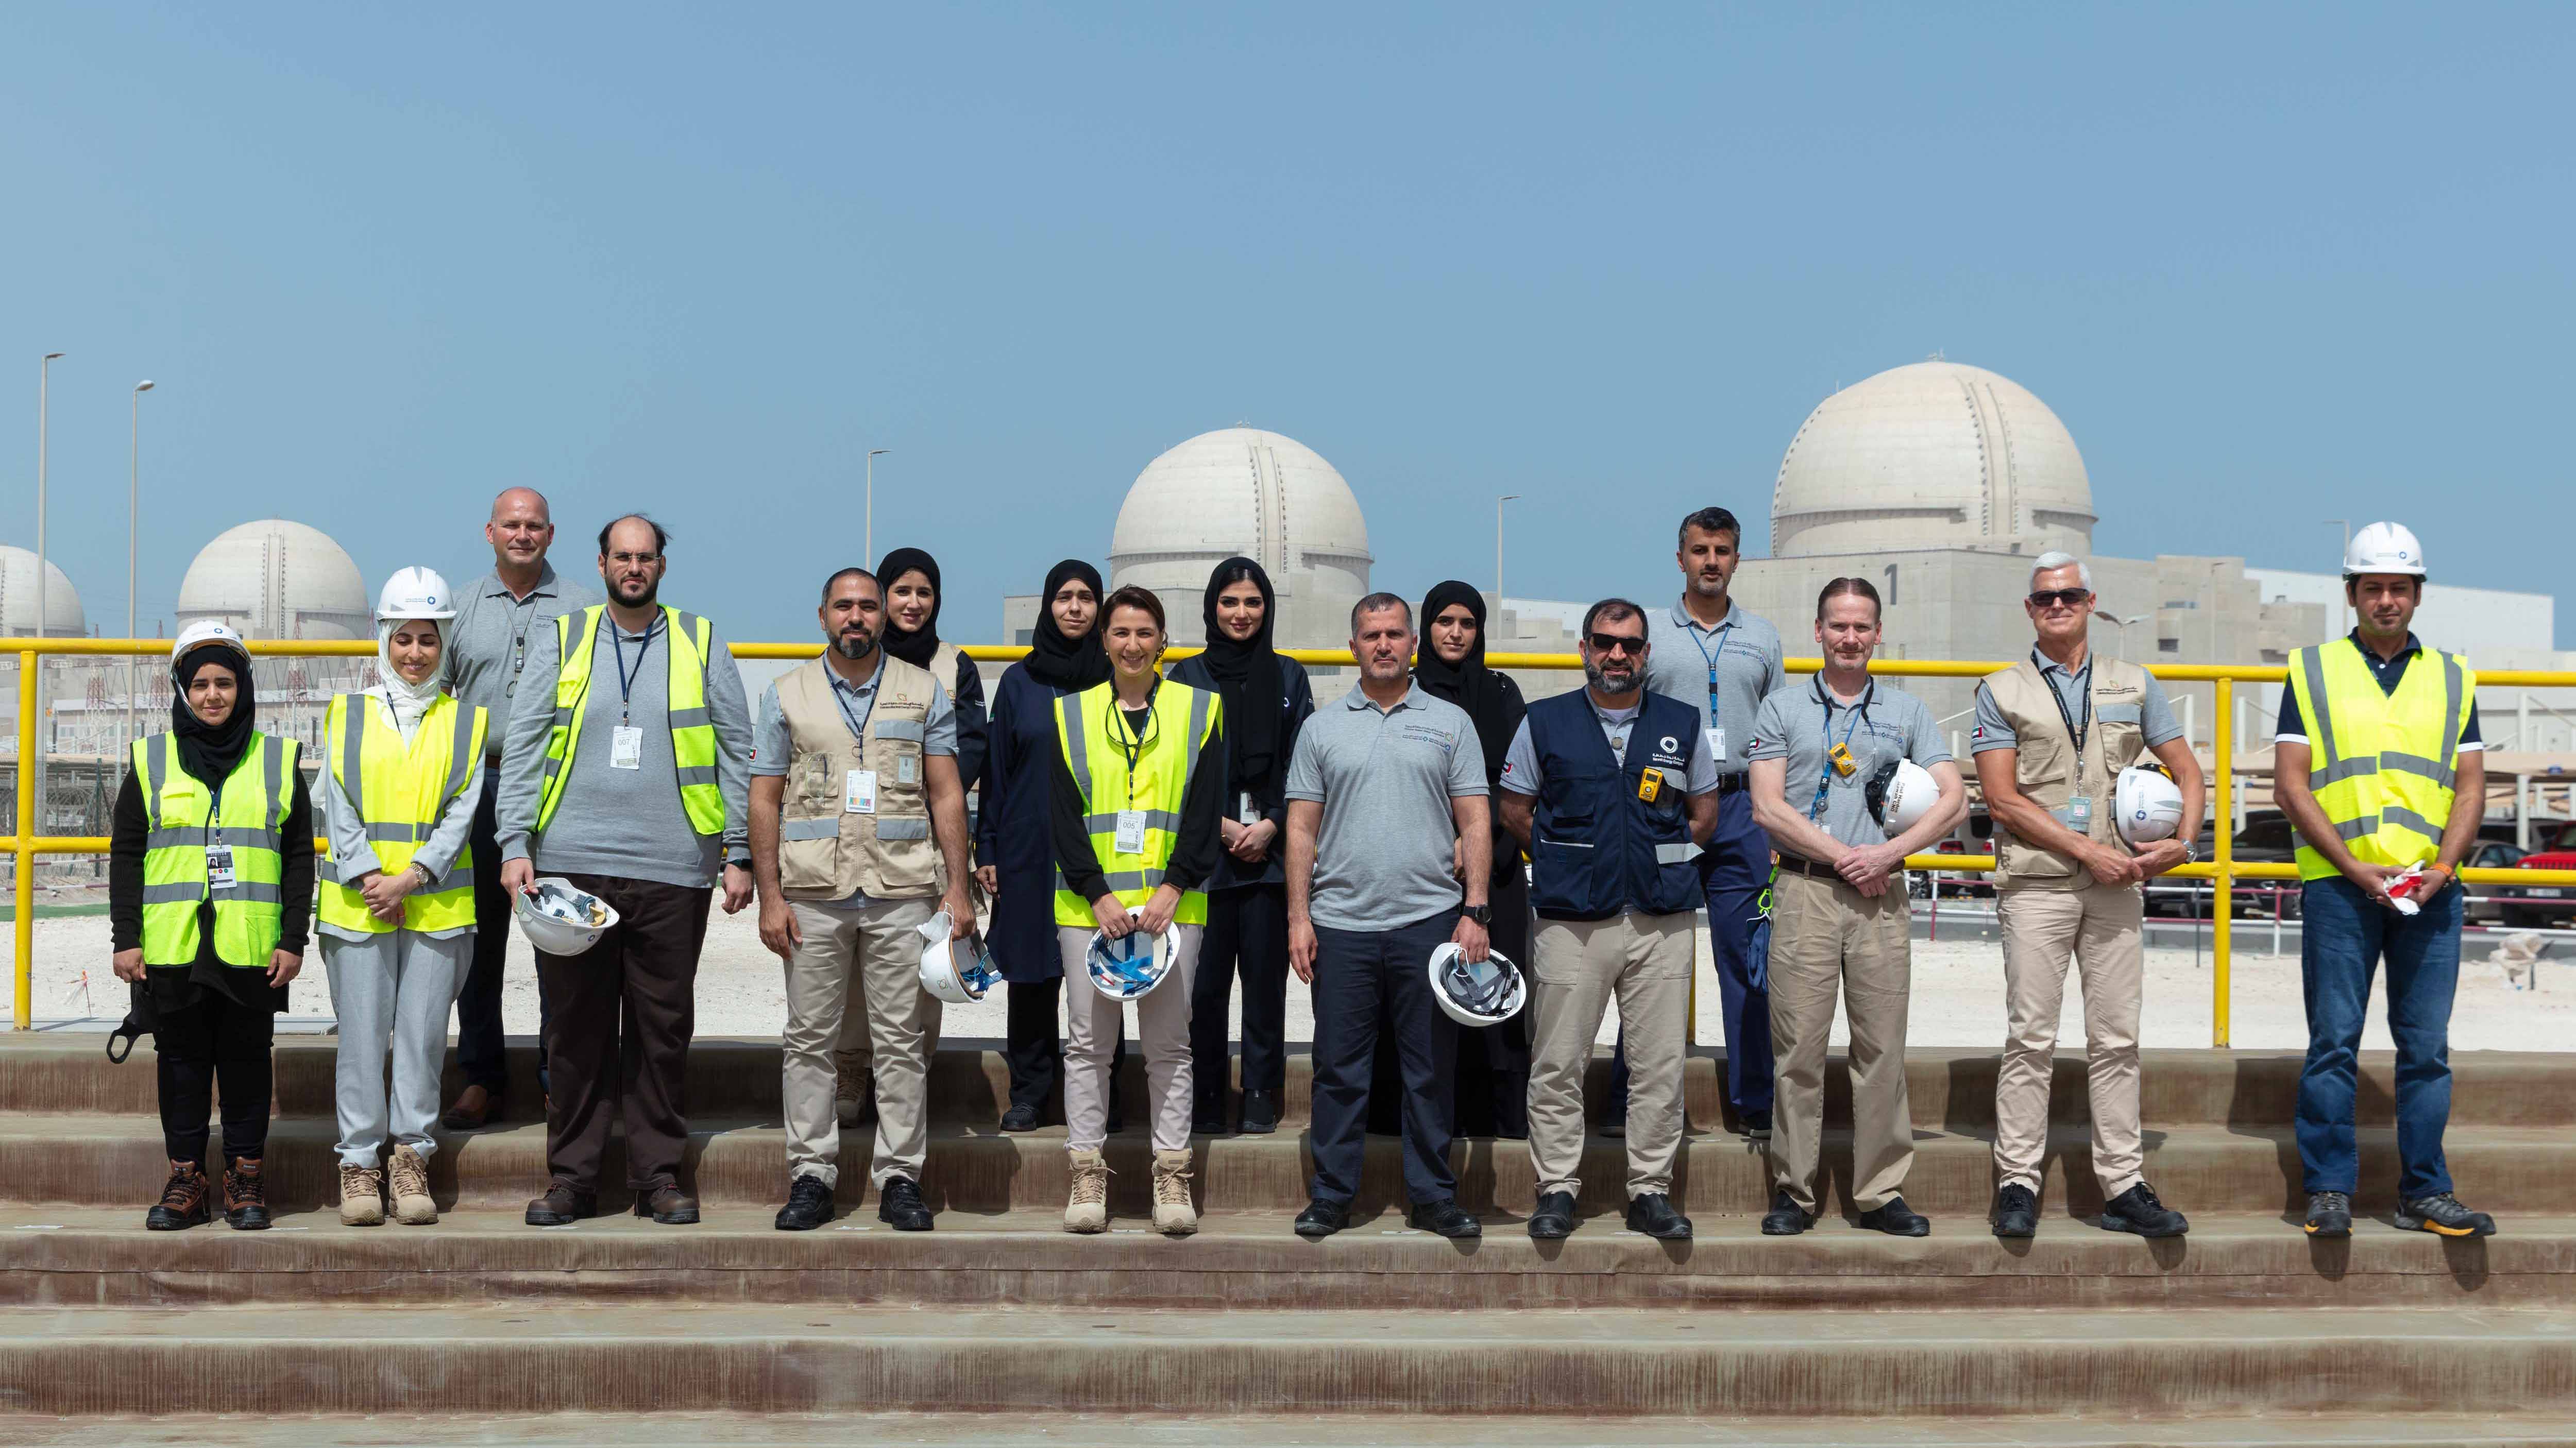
(1734, 871)
(2344, 935)
(1361, 975)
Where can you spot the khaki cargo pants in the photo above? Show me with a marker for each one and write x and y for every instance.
(2100, 927)
(864, 964)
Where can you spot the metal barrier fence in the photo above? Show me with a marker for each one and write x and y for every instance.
(25, 845)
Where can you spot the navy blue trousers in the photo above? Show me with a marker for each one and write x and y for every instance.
(1361, 977)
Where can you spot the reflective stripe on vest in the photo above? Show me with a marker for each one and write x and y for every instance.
(181, 818)
(2382, 766)
(693, 738)
(398, 791)
(1184, 720)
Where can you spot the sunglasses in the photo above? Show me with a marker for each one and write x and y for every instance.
(2071, 597)
(1603, 643)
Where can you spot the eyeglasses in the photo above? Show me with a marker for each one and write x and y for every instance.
(1603, 643)
(2070, 597)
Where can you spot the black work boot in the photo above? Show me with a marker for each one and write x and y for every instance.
(1444, 1218)
(183, 1200)
(1896, 1219)
(245, 1196)
(809, 1205)
(2016, 1212)
(1653, 1213)
(1786, 1218)
(2137, 1210)
(899, 1205)
(1554, 1217)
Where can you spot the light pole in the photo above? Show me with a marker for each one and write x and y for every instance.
(873, 454)
(44, 380)
(2346, 525)
(133, 520)
(1498, 552)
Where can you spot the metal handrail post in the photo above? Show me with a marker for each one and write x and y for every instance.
(25, 850)
(2223, 893)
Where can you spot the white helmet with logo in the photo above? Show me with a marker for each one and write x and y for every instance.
(206, 631)
(2384, 548)
(1911, 793)
(562, 919)
(415, 593)
(2148, 805)
(1130, 966)
(1486, 993)
(956, 971)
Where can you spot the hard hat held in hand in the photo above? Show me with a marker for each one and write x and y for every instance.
(2384, 548)
(1130, 966)
(956, 971)
(1487, 992)
(415, 593)
(1910, 793)
(560, 919)
(206, 631)
(2147, 806)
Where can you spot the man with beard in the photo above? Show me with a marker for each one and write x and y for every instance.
(1611, 792)
(855, 800)
(637, 796)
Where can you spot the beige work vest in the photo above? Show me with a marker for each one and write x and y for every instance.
(827, 851)
(2044, 764)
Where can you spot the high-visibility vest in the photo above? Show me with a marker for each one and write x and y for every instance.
(693, 739)
(1117, 771)
(2382, 766)
(399, 790)
(182, 818)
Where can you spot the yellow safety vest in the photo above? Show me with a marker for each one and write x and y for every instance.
(399, 791)
(2381, 765)
(1116, 771)
(693, 739)
(182, 818)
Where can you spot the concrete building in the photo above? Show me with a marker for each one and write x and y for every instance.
(276, 579)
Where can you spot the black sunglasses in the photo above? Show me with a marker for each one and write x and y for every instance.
(2042, 598)
(1603, 643)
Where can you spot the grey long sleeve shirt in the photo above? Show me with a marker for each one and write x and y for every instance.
(352, 855)
(488, 642)
(624, 823)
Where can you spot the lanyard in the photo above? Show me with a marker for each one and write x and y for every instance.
(1131, 745)
(2078, 732)
(625, 680)
(1710, 657)
(1825, 767)
(519, 637)
(841, 696)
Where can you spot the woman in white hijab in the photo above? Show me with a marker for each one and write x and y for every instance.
(396, 913)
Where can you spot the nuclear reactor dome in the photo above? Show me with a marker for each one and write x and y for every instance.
(1933, 455)
(1240, 490)
(276, 579)
(18, 597)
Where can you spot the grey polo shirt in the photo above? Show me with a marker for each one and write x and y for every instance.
(2156, 721)
(1885, 724)
(487, 645)
(1385, 778)
(1520, 762)
(1723, 672)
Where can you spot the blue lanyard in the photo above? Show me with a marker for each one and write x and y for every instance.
(1825, 767)
(1710, 658)
(841, 696)
(625, 680)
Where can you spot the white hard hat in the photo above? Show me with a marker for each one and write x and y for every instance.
(1912, 793)
(206, 631)
(415, 593)
(2148, 805)
(1486, 993)
(1130, 966)
(956, 971)
(2384, 548)
(561, 919)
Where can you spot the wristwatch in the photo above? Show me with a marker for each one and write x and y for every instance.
(1483, 915)
(2191, 852)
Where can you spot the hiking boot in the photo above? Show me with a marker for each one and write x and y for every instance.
(2137, 1210)
(245, 1196)
(1087, 1209)
(362, 1196)
(2329, 1214)
(408, 1175)
(809, 1205)
(183, 1200)
(1174, 1216)
(2016, 1212)
(669, 1206)
(852, 1091)
(562, 1206)
(2442, 1213)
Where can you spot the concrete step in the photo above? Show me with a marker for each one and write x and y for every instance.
(1750, 1364)
(1949, 1089)
(102, 1257)
(110, 1161)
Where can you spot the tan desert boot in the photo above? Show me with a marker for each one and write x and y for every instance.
(1088, 1208)
(412, 1204)
(362, 1196)
(1174, 1216)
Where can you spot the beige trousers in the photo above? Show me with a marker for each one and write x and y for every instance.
(1644, 961)
(1091, 1036)
(865, 962)
(1824, 935)
(2100, 927)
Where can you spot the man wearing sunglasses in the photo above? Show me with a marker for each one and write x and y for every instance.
(1611, 791)
(2053, 733)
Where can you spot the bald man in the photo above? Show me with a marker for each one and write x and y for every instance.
(496, 616)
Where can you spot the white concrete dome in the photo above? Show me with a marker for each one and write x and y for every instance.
(1240, 490)
(1936, 454)
(276, 579)
(63, 617)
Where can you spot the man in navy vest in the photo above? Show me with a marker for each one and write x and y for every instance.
(1612, 791)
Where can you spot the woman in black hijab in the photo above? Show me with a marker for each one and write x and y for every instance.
(235, 821)
(1266, 700)
(910, 579)
(1493, 1062)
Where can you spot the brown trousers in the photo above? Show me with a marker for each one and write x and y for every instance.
(619, 1017)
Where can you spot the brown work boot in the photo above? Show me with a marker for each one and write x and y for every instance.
(1087, 1210)
(362, 1196)
(410, 1178)
(475, 1106)
(667, 1205)
(1174, 1215)
(851, 1093)
(183, 1200)
(245, 1195)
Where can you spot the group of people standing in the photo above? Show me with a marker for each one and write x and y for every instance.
(1218, 809)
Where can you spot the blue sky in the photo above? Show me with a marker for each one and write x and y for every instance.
(2271, 264)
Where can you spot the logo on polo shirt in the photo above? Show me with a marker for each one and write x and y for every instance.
(1668, 744)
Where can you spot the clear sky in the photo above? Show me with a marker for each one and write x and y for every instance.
(2272, 265)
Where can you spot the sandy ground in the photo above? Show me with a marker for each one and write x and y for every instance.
(1958, 993)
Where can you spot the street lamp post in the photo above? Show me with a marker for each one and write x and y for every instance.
(873, 455)
(1498, 552)
(44, 381)
(2346, 525)
(133, 521)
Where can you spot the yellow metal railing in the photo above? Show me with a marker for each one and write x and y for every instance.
(24, 845)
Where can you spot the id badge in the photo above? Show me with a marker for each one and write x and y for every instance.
(1131, 832)
(2079, 813)
(219, 867)
(859, 792)
(1717, 745)
(1246, 813)
(626, 746)
(907, 770)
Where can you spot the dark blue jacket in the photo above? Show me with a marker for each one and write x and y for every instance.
(1597, 849)
(1296, 703)
(1011, 827)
